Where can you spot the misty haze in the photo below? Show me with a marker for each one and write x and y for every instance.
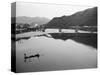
(54, 37)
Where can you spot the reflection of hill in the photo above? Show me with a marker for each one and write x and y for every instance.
(63, 36)
(83, 18)
(85, 38)
(92, 41)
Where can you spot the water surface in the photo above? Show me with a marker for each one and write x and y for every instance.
(55, 54)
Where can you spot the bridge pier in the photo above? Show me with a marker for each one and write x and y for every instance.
(60, 30)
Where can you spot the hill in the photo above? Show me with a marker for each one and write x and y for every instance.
(31, 20)
(86, 17)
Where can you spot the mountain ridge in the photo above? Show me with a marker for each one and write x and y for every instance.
(31, 20)
(86, 17)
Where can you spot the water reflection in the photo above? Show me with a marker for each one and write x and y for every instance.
(57, 51)
(85, 38)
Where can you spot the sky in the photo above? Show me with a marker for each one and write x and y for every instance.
(47, 10)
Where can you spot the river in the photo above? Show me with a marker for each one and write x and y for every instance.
(55, 53)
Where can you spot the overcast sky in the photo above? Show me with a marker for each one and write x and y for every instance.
(46, 10)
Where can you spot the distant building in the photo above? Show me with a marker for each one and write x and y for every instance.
(35, 25)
